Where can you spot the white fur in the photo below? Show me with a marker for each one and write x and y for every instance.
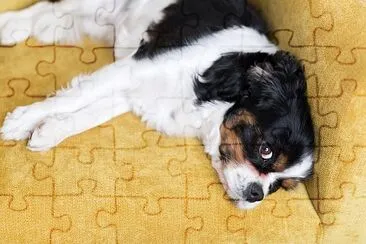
(55, 128)
(172, 92)
(160, 90)
(121, 22)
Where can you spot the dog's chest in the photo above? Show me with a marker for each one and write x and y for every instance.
(170, 107)
(167, 107)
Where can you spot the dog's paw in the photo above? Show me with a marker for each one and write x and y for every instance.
(19, 124)
(14, 30)
(50, 132)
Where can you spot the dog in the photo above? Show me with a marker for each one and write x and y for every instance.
(188, 68)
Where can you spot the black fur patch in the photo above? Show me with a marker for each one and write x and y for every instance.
(188, 20)
(274, 186)
(226, 79)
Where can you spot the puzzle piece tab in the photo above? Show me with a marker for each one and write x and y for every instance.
(66, 171)
(170, 225)
(16, 177)
(83, 219)
(215, 212)
(197, 170)
(340, 222)
(349, 132)
(151, 178)
(307, 21)
(38, 223)
(72, 55)
(11, 58)
(328, 180)
(348, 19)
(284, 38)
(331, 74)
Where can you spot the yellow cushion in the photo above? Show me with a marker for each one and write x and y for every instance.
(124, 182)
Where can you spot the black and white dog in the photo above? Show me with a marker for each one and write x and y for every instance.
(198, 68)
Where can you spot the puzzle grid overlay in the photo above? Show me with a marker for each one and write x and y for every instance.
(124, 182)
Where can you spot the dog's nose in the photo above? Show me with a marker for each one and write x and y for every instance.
(254, 192)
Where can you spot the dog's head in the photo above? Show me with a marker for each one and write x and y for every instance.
(267, 136)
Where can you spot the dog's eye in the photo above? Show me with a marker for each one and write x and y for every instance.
(265, 151)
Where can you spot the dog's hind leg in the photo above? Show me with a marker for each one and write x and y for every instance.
(56, 128)
(64, 21)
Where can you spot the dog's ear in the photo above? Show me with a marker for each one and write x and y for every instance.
(289, 184)
(276, 81)
(226, 79)
(262, 77)
(290, 71)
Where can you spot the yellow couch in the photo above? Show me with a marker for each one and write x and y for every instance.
(123, 182)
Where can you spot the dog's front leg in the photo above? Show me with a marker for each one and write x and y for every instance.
(56, 128)
(84, 90)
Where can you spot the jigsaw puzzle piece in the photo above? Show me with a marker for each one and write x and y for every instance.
(284, 39)
(215, 211)
(342, 218)
(16, 177)
(66, 171)
(128, 130)
(82, 209)
(16, 94)
(38, 223)
(47, 23)
(197, 170)
(123, 45)
(56, 23)
(12, 58)
(331, 74)
(151, 179)
(98, 137)
(349, 131)
(169, 225)
(339, 142)
(59, 67)
(301, 11)
(344, 20)
(92, 51)
(328, 179)
(89, 50)
(322, 120)
(281, 200)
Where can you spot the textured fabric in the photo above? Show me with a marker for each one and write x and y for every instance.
(123, 182)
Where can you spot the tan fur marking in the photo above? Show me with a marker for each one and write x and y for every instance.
(241, 117)
(289, 184)
(280, 164)
(231, 145)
